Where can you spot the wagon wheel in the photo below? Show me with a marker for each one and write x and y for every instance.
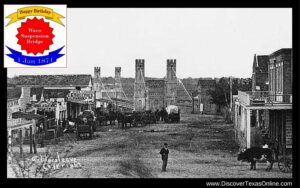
(285, 164)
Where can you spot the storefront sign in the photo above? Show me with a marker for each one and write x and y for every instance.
(81, 96)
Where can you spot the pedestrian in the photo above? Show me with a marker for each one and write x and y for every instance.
(164, 156)
(157, 115)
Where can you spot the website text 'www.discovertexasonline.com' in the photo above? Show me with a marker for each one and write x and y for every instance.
(249, 183)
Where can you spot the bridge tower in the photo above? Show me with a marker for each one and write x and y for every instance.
(97, 82)
(171, 83)
(139, 85)
(118, 84)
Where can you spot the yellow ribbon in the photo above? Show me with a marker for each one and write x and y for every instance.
(48, 13)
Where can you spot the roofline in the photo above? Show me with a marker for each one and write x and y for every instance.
(21, 85)
(57, 75)
(16, 98)
(268, 107)
(280, 50)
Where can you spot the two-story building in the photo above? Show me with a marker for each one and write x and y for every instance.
(266, 116)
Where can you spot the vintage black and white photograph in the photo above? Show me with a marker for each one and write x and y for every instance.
(158, 93)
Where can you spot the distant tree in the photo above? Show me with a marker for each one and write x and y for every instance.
(245, 84)
(220, 95)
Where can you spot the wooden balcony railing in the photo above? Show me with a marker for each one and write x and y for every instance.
(263, 98)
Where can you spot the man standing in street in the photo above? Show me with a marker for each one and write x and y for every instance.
(164, 156)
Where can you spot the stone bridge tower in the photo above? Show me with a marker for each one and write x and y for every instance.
(139, 85)
(118, 86)
(171, 83)
(97, 83)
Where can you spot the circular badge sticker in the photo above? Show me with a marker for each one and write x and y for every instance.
(35, 36)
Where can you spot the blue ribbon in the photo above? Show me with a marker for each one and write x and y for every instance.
(35, 60)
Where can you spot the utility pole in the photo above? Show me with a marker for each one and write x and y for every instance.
(193, 106)
(230, 83)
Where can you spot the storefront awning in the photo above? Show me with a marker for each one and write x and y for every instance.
(25, 115)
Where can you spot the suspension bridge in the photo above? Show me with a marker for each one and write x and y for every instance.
(111, 93)
(114, 93)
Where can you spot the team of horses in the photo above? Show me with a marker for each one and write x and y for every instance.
(129, 119)
(88, 121)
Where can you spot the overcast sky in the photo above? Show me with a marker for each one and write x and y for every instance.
(205, 42)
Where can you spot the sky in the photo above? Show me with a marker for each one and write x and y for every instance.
(206, 42)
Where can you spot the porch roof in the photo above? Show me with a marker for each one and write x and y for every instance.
(269, 107)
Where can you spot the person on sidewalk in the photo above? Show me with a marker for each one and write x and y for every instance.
(164, 156)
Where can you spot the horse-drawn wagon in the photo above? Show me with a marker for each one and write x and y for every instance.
(85, 125)
(173, 114)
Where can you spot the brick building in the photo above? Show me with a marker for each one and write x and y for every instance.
(281, 74)
(266, 116)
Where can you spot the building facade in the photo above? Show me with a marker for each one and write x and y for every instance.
(281, 75)
(265, 117)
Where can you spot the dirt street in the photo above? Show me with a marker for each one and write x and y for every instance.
(200, 147)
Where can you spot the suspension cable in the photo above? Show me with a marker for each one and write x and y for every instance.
(180, 82)
(122, 88)
(102, 86)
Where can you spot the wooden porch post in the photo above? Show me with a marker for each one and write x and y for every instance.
(34, 136)
(34, 143)
(43, 133)
(30, 139)
(21, 142)
(242, 126)
(9, 144)
(257, 118)
(248, 127)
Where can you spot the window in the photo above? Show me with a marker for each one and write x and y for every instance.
(277, 78)
(281, 77)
